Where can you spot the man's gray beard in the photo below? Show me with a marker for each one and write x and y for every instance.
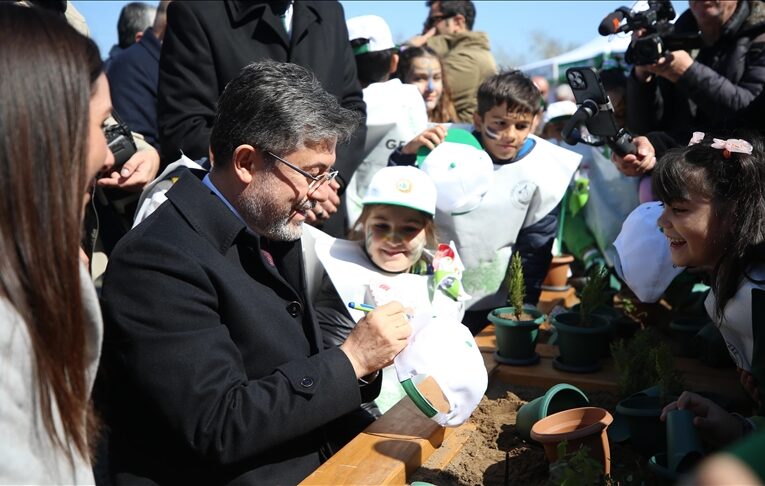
(259, 209)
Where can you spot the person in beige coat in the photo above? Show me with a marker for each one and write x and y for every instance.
(466, 54)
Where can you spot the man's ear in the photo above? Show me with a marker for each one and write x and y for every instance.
(138, 36)
(393, 64)
(459, 21)
(246, 161)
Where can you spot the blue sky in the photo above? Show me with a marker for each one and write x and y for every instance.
(508, 23)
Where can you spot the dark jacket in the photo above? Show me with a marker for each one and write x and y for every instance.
(208, 43)
(213, 368)
(723, 81)
(133, 78)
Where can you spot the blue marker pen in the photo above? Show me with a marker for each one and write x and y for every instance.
(361, 307)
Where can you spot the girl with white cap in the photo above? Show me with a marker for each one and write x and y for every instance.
(393, 255)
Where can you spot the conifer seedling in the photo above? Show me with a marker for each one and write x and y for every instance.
(593, 294)
(515, 286)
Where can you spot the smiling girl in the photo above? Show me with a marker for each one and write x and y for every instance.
(394, 245)
(713, 193)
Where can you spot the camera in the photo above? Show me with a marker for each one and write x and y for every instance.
(660, 36)
(120, 142)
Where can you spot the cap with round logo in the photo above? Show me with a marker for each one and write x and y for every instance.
(402, 186)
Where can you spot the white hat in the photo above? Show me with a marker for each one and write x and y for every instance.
(402, 186)
(644, 260)
(446, 351)
(461, 169)
(560, 110)
(372, 28)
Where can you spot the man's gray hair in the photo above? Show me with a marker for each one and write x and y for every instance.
(279, 108)
(134, 17)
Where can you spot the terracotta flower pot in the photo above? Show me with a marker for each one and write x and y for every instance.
(516, 340)
(557, 275)
(557, 399)
(579, 426)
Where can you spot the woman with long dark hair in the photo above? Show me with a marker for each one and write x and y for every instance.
(54, 100)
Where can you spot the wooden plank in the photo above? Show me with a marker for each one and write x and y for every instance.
(452, 445)
(388, 450)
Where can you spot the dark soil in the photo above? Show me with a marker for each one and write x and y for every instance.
(482, 460)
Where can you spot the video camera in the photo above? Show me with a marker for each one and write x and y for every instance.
(120, 142)
(660, 36)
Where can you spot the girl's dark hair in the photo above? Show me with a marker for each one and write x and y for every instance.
(45, 89)
(736, 186)
(444, 112)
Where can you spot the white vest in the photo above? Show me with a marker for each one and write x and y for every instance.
(521, 194)
(396, 113)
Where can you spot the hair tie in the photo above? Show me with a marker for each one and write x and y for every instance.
(732, 145)
(727, 146)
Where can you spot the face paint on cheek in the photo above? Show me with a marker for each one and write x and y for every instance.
(368, 239)
(490, 133)
(417, 251)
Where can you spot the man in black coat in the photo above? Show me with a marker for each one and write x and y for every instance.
(206, 45)
(213, 370)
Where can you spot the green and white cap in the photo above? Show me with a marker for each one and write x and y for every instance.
(402, 186)
(460, 168)
(372, 28)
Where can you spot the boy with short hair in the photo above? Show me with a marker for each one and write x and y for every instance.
(519, 212)
(396, 112)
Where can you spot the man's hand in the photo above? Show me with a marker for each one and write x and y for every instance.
(324, 209)
(377, 339)
(429, 138)
(639, 163)
(139, 170)
(750, 385)
(420, 40)
(712, 421)
(671, 66)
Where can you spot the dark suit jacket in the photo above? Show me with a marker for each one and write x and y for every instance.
(133, 78)
(213, 369)
(208, 43)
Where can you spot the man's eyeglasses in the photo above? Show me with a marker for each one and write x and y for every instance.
(316, 181)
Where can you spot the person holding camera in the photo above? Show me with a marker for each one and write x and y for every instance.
(679, 94)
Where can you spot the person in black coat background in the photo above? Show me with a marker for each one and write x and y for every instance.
(208, 43)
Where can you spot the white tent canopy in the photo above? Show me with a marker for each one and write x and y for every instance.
(593, 53)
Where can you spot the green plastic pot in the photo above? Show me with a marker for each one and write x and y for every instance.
(657, 464)
(557, 399)
(648, 434)
(684, 448)
(683, 330)
(709, 346)
(581, 346)
(516, 340)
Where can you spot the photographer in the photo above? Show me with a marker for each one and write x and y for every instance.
(679, 94)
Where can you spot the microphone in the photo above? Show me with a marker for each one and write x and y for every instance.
(610, 24)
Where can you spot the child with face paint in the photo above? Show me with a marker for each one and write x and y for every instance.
(508, 104)
(422, 67)
(395, 235)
